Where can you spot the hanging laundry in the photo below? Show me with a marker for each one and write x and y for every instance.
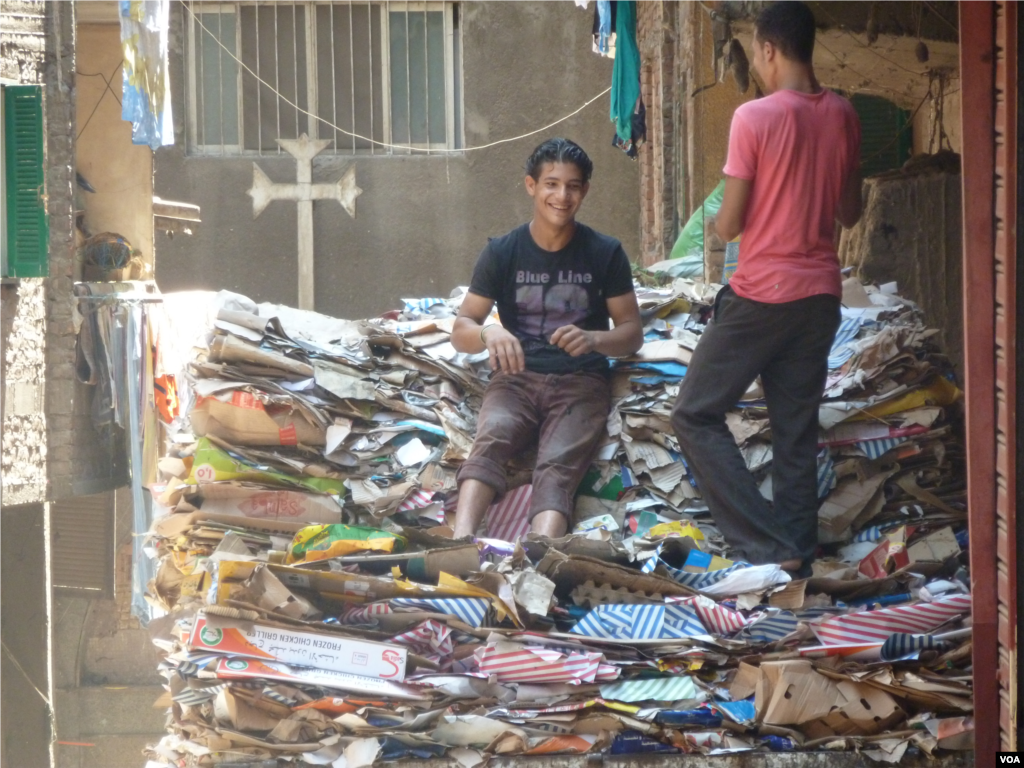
(604, 28)
(638, 132)
(626, 72)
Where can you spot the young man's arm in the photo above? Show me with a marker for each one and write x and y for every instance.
(850, 203)
(733, 214)
(621, 341)
(469, 335)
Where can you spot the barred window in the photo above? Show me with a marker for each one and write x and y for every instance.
(387, 71)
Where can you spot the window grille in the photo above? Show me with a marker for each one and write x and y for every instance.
(386, 71)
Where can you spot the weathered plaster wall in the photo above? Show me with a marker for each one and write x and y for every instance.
(120, 172)
(105, 669)
(24, 719)
(421, 221)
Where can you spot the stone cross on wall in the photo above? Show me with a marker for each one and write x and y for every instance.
(304, 192)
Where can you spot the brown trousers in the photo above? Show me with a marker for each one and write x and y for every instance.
(565, 413)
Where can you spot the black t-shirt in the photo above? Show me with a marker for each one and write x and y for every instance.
(539, 291)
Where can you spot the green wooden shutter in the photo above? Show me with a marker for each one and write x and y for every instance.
(886, 138)
(27, 229)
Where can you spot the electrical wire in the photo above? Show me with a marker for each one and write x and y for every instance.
(338, 128)
(946, 21)
(857, 40)
(100, 100)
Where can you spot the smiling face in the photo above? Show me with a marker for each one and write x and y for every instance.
(557, 193)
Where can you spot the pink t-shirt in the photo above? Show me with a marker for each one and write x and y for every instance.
(798, 149)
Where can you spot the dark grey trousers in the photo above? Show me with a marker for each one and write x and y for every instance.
(787, 345)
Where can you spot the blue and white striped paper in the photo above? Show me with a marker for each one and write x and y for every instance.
(770, 627)
(421, 305)
(471, 610)
(826, 474)
(874, 533)
(640, 622)
(698, 581)
(842, 351)
(900, 646)
(875, 449)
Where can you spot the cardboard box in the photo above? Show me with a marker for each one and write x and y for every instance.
(795, 693)
(240, 500)
(792, 692)
(935, 547)
(863, 711)
(324, 651)
(252, 669)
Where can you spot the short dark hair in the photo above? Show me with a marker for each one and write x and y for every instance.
(559, 150)
(789, 26)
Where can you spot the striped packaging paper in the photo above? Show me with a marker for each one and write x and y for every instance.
(363, 614)
(510, 518)
(876, 626)
(674, 688)
(417, 500)
(717, 619)
(698, 581)
(901, 646)
(842, 351)
(280, 698)
(472, 610)
(431, 639)
(875, 449)
(423, 306)
(874, 533)
(769, 627)
(513, 663)
(827, 477)
(640, 622)
(194, 697)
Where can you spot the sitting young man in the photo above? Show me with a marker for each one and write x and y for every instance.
(557, 282)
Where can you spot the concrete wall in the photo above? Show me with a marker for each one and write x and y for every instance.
(120, 172)
(421, 221)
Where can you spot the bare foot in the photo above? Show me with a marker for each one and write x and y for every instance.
(791, 565)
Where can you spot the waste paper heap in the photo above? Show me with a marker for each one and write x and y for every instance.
(317, 611)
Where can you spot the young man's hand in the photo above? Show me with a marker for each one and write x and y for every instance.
(504, 348)
(574, 340)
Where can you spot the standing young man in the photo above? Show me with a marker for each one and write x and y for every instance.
(557, 283)
(792, 171)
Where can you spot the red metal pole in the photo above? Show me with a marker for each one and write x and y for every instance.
(977, 55)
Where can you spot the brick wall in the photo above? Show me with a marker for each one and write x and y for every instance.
(662, 84)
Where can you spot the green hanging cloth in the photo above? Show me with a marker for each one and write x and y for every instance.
(626, 71)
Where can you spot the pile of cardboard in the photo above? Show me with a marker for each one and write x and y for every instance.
(313, 605)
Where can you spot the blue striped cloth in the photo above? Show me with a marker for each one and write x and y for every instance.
(770, 627)
(472, 610)
(640, 622)
(848, 329)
